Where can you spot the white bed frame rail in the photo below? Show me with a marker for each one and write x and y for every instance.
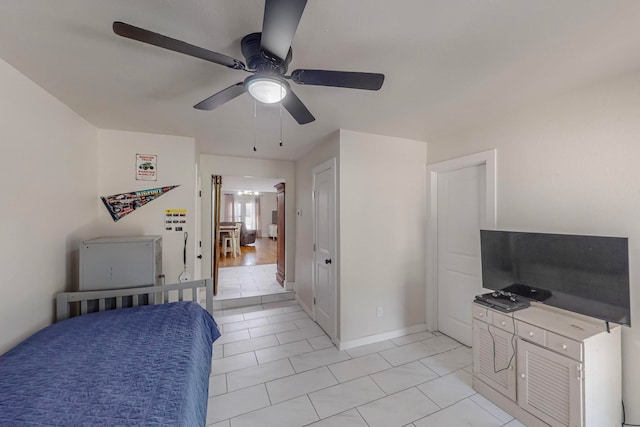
(156, 294)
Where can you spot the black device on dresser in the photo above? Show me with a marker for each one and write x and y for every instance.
(503, 301)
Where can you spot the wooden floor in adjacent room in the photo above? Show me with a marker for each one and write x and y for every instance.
(263, 251)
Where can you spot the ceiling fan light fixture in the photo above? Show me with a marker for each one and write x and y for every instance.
(267, 90)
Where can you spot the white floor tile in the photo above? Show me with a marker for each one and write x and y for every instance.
(231, 337)
(237, 403)
(221, 320)
(342, 397)
(490, 407)
(403, 377)
(287, 317)
(398, 409)
(283, 351)
(359, 367)
(321, 342)
(439, 344)
(463, 413)
(349, 418)
(263, 313)
(406, 353)
(408, 339)
(299, 384)
(447, 390)
(217, 385)
(274, 366)
(233, 363)
(363, 350)
(293, 413)
(305, 323)
(450, 361)
(315, 359)
(514, 423)
(258, 374)
(300, 334)
(271, 329)
(245, 324)
(252, 344)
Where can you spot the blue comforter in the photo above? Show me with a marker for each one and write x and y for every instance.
(135, 366)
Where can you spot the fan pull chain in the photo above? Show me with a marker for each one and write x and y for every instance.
(255, 115)
(280, 121)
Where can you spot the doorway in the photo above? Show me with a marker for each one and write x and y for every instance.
(247, 258)
(462, 199)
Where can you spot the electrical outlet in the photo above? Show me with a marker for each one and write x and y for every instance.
(379, 311)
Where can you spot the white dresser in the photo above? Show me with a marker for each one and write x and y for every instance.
(547, 366)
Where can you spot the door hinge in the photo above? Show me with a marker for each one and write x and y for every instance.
(314, 247)
(200, 243)
(314, 300)
(199, 193)
(313, 194)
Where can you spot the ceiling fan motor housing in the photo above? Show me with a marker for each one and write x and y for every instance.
(260, 60)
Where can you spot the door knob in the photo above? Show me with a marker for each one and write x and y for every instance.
(199, 257)
(327, 261)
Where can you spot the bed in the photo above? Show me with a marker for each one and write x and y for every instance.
(142, 365)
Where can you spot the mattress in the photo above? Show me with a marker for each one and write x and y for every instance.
(135, 366)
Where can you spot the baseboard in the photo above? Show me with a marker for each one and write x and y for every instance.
(289, 286)
(304, 306)
(345, 345)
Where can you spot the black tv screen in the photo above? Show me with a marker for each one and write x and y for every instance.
(584, 274)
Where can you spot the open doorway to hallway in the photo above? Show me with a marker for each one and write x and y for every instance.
(247, 267)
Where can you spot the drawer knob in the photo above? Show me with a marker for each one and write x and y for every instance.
(481, 315)
(522, 376)
(530, 334)
(504, 323)
(564, 346)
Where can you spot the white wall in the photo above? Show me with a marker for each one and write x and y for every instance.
(49, 186)
(268, 204)
(304, 223)
(382, 233)
(571, 165)
(176, 166)
(237, 166)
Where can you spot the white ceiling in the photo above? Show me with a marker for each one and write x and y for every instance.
(448, 63)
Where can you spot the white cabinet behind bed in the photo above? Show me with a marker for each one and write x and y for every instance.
(120, 262)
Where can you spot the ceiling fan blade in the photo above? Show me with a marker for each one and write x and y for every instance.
(221, 97)
(348, 79)
(146, 36)
(281, 18)
(297, 109)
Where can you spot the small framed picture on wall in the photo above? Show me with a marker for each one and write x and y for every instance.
(146, 167)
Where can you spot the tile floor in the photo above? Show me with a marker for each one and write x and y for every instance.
(247, 281)
(273, 366)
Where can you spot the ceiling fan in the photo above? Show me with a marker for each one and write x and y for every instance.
(267, 56)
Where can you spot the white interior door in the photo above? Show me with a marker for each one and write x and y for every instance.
(461, 213)
(324, 259)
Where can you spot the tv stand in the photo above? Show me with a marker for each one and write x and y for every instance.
(566, 370)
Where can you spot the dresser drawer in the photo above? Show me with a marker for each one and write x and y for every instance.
(531, 333)
(481, 312)
(503, 322)
(564, 345)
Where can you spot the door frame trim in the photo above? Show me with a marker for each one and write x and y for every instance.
(487, 158)
(329, 164)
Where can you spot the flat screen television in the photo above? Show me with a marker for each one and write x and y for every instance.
(583, 274)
